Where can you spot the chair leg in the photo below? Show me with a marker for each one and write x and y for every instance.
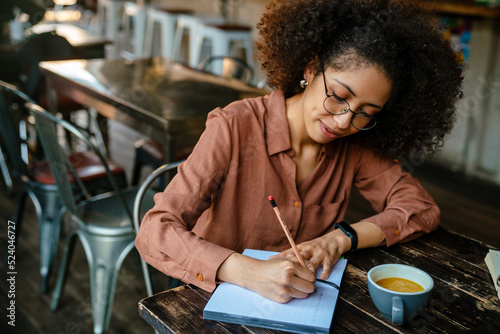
(63, 270)
(49, 238)
(147, 277)
(47, 206)
(97, 124)
(5, 172)
(49, 227)
(105, 255)
(21, 200)
(18, 214)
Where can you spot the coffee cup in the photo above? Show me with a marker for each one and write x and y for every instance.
(399, 306)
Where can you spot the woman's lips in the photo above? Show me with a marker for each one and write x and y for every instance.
(328, 132)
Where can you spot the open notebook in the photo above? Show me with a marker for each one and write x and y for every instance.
(492, 260)
(234, 304)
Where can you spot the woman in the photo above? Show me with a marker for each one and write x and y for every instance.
(356, 82)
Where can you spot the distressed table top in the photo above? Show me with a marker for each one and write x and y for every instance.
(464, 298)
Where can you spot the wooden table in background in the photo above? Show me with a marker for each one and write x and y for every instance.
(464, 298)
(160, 98)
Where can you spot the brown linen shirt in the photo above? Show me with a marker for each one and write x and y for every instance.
(218, 202)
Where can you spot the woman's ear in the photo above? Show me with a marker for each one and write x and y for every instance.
(311, 69)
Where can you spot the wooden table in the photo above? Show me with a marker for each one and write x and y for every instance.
(464, 298)
(165, 100)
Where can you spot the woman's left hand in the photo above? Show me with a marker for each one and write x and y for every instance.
(324, 251)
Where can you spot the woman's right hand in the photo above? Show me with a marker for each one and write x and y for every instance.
(279, 279)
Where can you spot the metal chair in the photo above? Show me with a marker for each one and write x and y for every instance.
(5, 172)
(228, 67)
(223, 38)
(132, 30)
(143, 191)
(36, 181)
(103, 223)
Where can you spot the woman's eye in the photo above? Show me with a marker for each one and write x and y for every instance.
(336, 97)
(364, 114)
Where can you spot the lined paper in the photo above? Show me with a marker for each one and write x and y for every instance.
(313, 314)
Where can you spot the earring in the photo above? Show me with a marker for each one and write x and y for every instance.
(303, 83)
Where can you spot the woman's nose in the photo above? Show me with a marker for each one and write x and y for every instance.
(344, 120)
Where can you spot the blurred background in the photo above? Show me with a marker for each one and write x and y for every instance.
(471, 26)
(464, 177)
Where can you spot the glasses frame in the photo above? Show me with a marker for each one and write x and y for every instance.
(372, 118)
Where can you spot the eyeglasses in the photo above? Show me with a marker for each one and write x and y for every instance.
(360, 120)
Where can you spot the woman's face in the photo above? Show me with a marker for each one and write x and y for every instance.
(366, 91)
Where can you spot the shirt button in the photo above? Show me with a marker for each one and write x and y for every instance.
(296, 204)
(293, 235)
(398, 233)
(200, 277)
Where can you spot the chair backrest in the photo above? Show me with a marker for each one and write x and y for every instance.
(145, 186)
(40, 47)
(58, 156)
(139, 197)
(14, 128)
(232, 67)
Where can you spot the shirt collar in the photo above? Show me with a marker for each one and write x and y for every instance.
(277, 129)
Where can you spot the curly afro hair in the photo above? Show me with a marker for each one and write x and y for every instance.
(404, 41)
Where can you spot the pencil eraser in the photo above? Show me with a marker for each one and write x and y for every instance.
(270, 198)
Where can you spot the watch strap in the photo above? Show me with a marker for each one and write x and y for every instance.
(349, 231)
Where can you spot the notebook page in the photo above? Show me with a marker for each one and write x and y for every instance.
(492, 260)
(231, 301)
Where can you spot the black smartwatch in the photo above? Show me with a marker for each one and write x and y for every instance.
(349, 231)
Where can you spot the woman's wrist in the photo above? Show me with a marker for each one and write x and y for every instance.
(368, 235)
(349, 232)
(338, 241)
(234, 268)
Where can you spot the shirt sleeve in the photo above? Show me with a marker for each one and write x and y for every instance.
(405, 209)
(165, 239)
